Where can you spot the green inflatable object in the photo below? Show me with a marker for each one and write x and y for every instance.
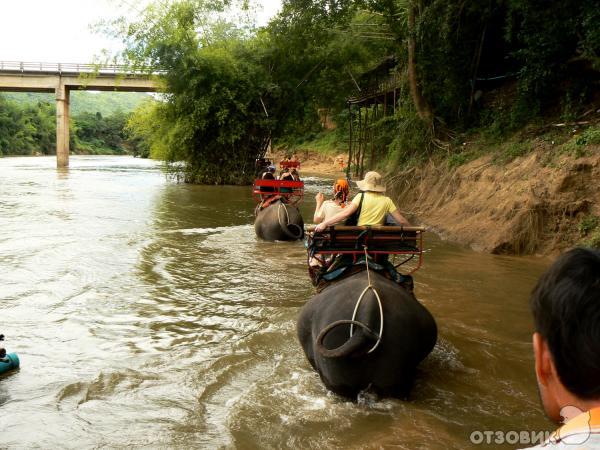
(9, 362)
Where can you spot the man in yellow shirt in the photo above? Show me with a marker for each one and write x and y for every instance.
(375, 205)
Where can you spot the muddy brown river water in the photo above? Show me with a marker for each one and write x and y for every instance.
(147, 314)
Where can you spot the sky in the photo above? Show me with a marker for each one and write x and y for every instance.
(59, 30)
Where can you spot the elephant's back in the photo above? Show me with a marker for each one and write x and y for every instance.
(279, 222)
(409, 327)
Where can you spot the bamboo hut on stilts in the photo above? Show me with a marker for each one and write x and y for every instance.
(376, 98)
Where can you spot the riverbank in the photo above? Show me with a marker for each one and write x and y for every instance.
(330, 165)
(541, 202)
(527, 206)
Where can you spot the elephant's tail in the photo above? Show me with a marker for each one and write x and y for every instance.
(357, 343)
(292, 230)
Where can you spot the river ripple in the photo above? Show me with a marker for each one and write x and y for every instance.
(146, 313)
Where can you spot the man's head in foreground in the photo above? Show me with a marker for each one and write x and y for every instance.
(566, 310)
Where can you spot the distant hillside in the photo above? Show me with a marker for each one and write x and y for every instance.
(106, 103)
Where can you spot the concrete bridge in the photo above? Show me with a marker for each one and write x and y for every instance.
(62, 78)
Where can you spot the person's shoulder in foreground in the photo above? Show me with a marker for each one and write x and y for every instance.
(565, 305)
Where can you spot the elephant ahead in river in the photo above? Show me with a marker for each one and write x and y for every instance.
(385, 363)
(279, 222)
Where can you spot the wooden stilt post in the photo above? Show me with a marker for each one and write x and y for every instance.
(349, 161)
(374, 120)
(359, 142)
(385, 96)
(365, 137)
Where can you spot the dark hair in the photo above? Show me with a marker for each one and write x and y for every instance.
(566, 310)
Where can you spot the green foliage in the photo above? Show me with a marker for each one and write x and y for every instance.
(547, 46)
(588, 224)
(413, 139)
(106, 103)
(231, 91)
(554, 44)
(573, 149)
(499, 123)
(213, 118)
(589, 228)
(590, 136)
(326, 142)
(511, 150)
(457, 159)
(94, 134)
(317, 50)
(594, 239)
(27, 130)
(143, 131)
(578, 145)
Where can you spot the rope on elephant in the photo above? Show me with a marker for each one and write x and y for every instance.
(288, 225)
(362, 295)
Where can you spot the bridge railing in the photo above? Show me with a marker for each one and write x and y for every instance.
(46, 67)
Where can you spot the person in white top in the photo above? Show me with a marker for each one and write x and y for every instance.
(326, 209)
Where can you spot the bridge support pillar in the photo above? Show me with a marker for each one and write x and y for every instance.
(62, 125)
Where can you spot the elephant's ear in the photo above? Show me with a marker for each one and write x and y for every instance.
(357, 344)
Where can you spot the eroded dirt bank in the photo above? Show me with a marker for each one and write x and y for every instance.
(316, 163)
(531, 205)
(528, 206)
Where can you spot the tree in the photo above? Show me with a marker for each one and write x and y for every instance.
(213, 111)
(421, 105)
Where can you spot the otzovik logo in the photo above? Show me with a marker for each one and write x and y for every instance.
(575, 431)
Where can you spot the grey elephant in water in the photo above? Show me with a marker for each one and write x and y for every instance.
(379, 356)
(279, 222)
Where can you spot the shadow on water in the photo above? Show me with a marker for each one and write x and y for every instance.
(148, 314)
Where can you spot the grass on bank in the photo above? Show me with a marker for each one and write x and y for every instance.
(575, 141)
(408, 144)
(325, 142)
(97, 147)
(589, 229)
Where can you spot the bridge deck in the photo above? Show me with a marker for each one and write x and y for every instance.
(47, 77)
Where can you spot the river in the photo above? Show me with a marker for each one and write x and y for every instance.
(147, 314)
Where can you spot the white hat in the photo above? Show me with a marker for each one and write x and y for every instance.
(373, 182)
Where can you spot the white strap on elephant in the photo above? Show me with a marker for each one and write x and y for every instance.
(362, 295)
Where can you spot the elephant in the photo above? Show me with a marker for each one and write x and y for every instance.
(383, 359)
(279, 221)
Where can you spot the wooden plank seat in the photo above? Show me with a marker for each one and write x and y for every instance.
(292, 191)
(375, 240)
